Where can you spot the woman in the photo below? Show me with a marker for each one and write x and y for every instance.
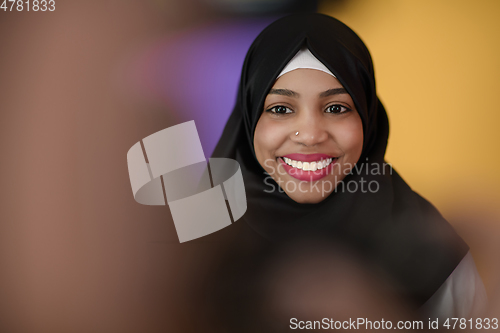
(310, 135)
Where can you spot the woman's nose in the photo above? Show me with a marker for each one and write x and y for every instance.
(310, 130)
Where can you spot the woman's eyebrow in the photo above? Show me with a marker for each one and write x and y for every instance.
(331, 92)
(284, 92)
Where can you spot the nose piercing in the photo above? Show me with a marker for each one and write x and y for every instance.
(296, 133)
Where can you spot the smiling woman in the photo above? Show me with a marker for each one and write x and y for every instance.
(328, 140)
(308, 122)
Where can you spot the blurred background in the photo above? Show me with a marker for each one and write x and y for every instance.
(80, 85)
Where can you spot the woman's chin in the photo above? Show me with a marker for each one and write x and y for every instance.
(307, 197)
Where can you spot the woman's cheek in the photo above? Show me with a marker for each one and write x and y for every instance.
(350, 137)
(269, 137)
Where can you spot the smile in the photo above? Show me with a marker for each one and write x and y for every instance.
(309, 167)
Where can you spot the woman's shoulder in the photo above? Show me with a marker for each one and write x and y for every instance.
(462, 295)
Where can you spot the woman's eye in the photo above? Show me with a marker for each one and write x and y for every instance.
(337, 108)
(280, 109)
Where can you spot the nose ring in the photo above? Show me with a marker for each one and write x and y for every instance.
(297, 133)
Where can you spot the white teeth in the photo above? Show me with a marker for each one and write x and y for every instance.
(308, 166)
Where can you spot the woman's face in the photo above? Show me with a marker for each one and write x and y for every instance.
(308, 165)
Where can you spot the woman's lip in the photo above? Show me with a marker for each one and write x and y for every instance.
(308, 157)
(308, 176)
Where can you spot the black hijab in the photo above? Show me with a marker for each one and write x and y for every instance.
(397, 229)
